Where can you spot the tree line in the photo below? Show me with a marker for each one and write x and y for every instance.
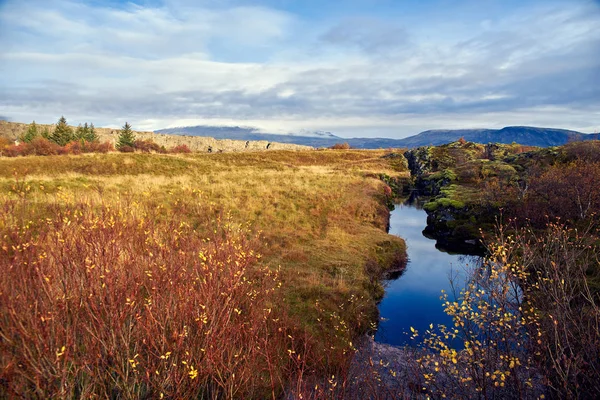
(65, 139)
(64, 134)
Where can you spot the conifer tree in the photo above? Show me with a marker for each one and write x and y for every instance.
(91, 134)
(126, 137)
(80, 132)
(86, 133)
(31, 133)
(63, 133)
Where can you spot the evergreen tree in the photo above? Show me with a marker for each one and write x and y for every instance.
(86, 133)
(81, 132)
(31, 133)
(63, 133)
(45, 133)
(126, 137)
(91, 134)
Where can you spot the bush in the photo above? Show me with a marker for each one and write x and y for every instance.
(15, 150)
(148, 146)
(181, 148)
(4, 142)
(126, 149)
(340, 146)
(525, 323)
(567, 191)
(127, 307)
(97, 147)
(72, 148)
(43, 147)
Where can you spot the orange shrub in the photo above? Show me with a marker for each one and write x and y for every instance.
(74, 147)
(97, 147)
(4, 142)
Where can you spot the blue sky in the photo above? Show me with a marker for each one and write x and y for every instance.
(356, 68)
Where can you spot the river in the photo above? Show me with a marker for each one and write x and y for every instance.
(413, 298)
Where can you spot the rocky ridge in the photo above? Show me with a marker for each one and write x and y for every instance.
(13, 130)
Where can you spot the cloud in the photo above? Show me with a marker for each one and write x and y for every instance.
(370, 35)
(231, 63)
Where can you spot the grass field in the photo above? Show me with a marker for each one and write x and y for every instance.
(316, 217)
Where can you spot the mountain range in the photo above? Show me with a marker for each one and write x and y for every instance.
(525, 135)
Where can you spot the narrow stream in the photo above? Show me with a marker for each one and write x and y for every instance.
(413, 299)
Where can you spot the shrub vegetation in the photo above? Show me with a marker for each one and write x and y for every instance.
(149, 274)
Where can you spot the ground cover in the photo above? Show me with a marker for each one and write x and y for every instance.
(316, 219)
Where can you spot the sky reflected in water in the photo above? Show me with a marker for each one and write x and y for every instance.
(414, 298)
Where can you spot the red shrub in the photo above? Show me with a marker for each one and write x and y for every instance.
(126, 149)
(97, 147)
(148, 146)
(44, 147)
(72, 148)
(181, 148)
(14, 150)
(131, 308)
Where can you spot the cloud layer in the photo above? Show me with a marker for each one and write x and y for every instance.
(390, 72)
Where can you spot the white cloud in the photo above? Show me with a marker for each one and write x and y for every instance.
(183, 63)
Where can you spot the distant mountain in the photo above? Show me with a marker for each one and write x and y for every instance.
(304, 137)
(531, 136)
(526, 135)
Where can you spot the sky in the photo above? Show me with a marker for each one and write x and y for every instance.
(356, 68)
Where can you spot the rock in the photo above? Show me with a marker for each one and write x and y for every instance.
(382, 371)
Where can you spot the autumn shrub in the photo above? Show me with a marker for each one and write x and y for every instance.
(588, 151)
(525, 323)
(101, 301)
(569, 191)
(340, 146)
(126, 149)
(148, 146)
(180, 148)
(74, 148)
(97, 147)
(40, 146)
(43, 147)
(4, 142)
(488, 352)
(562, 261)
(15, 150)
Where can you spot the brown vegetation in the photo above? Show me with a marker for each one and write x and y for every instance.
(141, 225)
(527, 321)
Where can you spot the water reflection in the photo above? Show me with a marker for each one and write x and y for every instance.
(414, 298)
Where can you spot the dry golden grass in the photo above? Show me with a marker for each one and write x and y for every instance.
(322, 213)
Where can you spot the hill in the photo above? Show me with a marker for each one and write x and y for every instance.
(525, 135)
(530, 136)
(13, 130)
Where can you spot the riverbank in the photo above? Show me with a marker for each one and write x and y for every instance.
(315, 219)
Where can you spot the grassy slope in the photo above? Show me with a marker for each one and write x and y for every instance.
(322, 213)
